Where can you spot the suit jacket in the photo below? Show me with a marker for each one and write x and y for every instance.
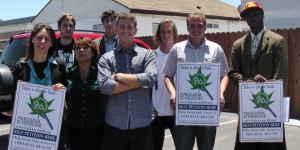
(270, 59)
(100, 42)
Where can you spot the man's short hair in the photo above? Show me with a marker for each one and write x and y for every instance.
(109, 13)
(127, 16)
(156, 37)
(65, 17)
(196, 15)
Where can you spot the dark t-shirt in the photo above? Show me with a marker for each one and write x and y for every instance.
(39, 68)
(65, 52)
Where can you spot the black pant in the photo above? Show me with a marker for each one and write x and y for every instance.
(159, 125)
(134, 139)
(63, 139)
(85, 139)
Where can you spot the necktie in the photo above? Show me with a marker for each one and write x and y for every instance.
(255, 43)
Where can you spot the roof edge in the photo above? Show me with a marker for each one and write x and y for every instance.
(41, 10)
(121, 4)
(181, 14)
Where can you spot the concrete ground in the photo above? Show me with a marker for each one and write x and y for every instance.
(225, 138)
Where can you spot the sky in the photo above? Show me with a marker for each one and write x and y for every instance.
(14, 9)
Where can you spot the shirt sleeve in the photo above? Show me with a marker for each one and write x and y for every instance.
(106, 85)
(148, 77)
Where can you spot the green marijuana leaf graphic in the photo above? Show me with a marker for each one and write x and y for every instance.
(40, 107)
(199, 81)
(262, 100)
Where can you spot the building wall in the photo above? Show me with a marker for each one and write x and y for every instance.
(85, 12)
(87, 15)
(7, 31)
(280, 14)
(145, 24)
(226, 26)
(16, 27)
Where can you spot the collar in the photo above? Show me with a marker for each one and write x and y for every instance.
(59, 39)
(50, 60)
(120, 49)
(114, 39)
(205, 42)
(259, 35)
(76, 67)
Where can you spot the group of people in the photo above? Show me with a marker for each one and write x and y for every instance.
(259, 56)
(109, 104)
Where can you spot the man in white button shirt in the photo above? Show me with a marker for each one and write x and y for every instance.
(196, 49)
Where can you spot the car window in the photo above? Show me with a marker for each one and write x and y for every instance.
(13, 51)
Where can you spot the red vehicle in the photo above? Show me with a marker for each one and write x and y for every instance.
(17, 45)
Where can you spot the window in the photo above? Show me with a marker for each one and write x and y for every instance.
(212, 25)
(154, 28)
(98, 27)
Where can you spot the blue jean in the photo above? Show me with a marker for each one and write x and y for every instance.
(184, 137)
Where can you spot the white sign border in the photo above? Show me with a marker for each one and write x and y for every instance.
(242, 138)
(17, 107)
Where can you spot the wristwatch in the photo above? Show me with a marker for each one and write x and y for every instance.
(116, 78)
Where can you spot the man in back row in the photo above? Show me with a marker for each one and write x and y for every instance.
(109, 40)
(66, 25)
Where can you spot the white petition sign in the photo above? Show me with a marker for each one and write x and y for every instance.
(261, 110)
(198, 94)
(37, 117)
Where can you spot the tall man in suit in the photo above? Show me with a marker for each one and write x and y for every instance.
(258, 56)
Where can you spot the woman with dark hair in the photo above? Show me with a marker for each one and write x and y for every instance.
(86, 105)
(39, 66)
